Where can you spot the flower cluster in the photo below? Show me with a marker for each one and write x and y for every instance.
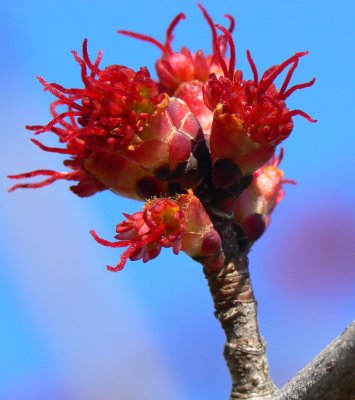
(199, 134)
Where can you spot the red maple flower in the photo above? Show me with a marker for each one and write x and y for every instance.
(159, 225)
(254, 206)
(180, 224)
(250, 116)
(104, 117)
(174, 68)
(183, 73)
(122, 134)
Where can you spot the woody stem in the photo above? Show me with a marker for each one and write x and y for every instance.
(236, 309)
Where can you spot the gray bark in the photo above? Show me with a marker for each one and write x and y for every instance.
(245, 349)
(236, 309)
(330, 376)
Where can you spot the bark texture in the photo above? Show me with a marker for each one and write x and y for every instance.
(330, 376)
(245, 349)
(236, 309)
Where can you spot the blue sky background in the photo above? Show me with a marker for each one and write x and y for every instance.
(70, 330)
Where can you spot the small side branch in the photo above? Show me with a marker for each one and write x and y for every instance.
(330, 376)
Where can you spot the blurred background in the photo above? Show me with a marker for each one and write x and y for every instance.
(70, 330)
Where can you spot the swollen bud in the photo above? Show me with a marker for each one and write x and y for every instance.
(167, 144)
(200, 241)
(254, 206)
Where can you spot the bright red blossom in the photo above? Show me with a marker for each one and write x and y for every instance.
(120, 132)
(159, 225)
(183, 73)
(107, 115)
(250, 116)
(180, 223)
(175, 68)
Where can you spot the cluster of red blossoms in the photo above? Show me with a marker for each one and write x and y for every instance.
(200, 124)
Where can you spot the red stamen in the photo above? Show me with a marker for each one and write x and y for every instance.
(82, 64)
(133, 246)
(53, 177)
(55, 89)
(86, 57)
(80, 61)
(297, 87)
(97, 61)
(219, 54)
(277, 160)
(143, 37)
(32, 185)
(33, 127)
(45, 128)
(65, 124)
(107, 243)
(50, 149)
(62, 89)
(266, 81)
(169, 33)
(125, 256)
(288, 78)
(120, 265)
(301, 113)
(72, 120)
(290, 181)
(34, 173)
(233, 54)
(232, 22)
(210, 23)
(253, 68)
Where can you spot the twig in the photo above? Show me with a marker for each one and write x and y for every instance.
(330, 376)
(236, 309)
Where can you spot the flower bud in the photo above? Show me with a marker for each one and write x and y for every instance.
(167, 144)
(192, 94)
(254, 206)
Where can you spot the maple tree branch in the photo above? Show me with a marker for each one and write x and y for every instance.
(330, 376)
(236, 309)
